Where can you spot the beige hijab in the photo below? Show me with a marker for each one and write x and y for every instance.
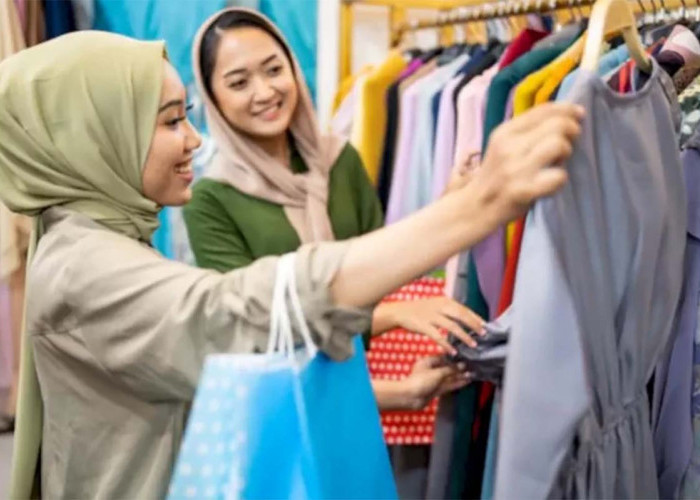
(244, 165)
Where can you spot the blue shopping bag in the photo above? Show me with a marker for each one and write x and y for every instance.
(290, 423)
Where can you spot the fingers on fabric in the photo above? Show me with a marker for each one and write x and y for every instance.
(455, 329)
(434, 333)
(466, 316)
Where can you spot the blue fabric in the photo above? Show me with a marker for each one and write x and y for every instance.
(260, 428)
(607, 63)
(489, 481)
(176, 23)
(59, 17)
(297, 19)
(675, 400)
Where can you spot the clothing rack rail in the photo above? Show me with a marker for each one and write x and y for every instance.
(456, 12)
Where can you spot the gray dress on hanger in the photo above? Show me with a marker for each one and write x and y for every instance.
(597, 286)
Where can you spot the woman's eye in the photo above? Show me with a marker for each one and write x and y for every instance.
(238, 84)
(173, 123)
(275, 70)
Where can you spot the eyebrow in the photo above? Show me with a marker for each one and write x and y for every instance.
(242, 70)
(170, 104)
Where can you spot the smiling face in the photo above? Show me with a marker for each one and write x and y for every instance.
(253, 83)
(167, 173)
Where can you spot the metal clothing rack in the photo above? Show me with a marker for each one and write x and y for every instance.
(456, 12)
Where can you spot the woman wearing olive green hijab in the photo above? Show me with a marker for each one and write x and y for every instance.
(93, 141)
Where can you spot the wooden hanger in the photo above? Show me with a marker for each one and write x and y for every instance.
(608, 18)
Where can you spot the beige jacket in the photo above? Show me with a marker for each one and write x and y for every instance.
(120, 335)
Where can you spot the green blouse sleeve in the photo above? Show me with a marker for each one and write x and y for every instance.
(370, 209)
(216, 241)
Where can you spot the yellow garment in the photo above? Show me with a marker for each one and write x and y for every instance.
(559, 70)
(346, 86)
(537, 89)
(370, 121)
(525, 93)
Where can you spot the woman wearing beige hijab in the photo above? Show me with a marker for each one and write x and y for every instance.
(94, 142)
(276, 183)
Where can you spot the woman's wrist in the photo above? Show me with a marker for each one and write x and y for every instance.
(384, 319)
(394, 395)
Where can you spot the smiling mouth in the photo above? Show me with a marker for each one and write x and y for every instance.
(271, 111)
(184, 168)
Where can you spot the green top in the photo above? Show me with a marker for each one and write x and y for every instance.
(229, 229)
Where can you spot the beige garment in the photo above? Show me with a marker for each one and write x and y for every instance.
(14, 229)
(35, 30)
(247, 167)
(120, 335)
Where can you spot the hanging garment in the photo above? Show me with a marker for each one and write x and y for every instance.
(369, 125)
(521, 45)
(586, 339)
(407, 125)
(673, 379)
(35, 27)
(343, 119)
(386, 168)
(417, 190)
(470, 119)
(608, 62)
(60, 18)
(446, 476)
(690, 483)
(84, 11)
(445, 139)
(225, 224)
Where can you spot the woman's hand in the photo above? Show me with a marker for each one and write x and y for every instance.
(524, 158)
(523, 163)
(428, 317)
(431, 377)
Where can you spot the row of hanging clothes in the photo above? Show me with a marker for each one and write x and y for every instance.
(593, 306)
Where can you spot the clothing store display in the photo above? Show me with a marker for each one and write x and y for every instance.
(224, 224)
(370, 120)
(589, 272)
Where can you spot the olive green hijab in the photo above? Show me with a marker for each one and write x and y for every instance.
(77, 116)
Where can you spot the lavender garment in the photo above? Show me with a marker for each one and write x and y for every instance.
(407, 127)
(490, 260)
(674, 408)
(444, 139)
(598, 282)
(418, 189)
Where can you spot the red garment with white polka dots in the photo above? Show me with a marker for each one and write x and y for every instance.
(392, 356)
